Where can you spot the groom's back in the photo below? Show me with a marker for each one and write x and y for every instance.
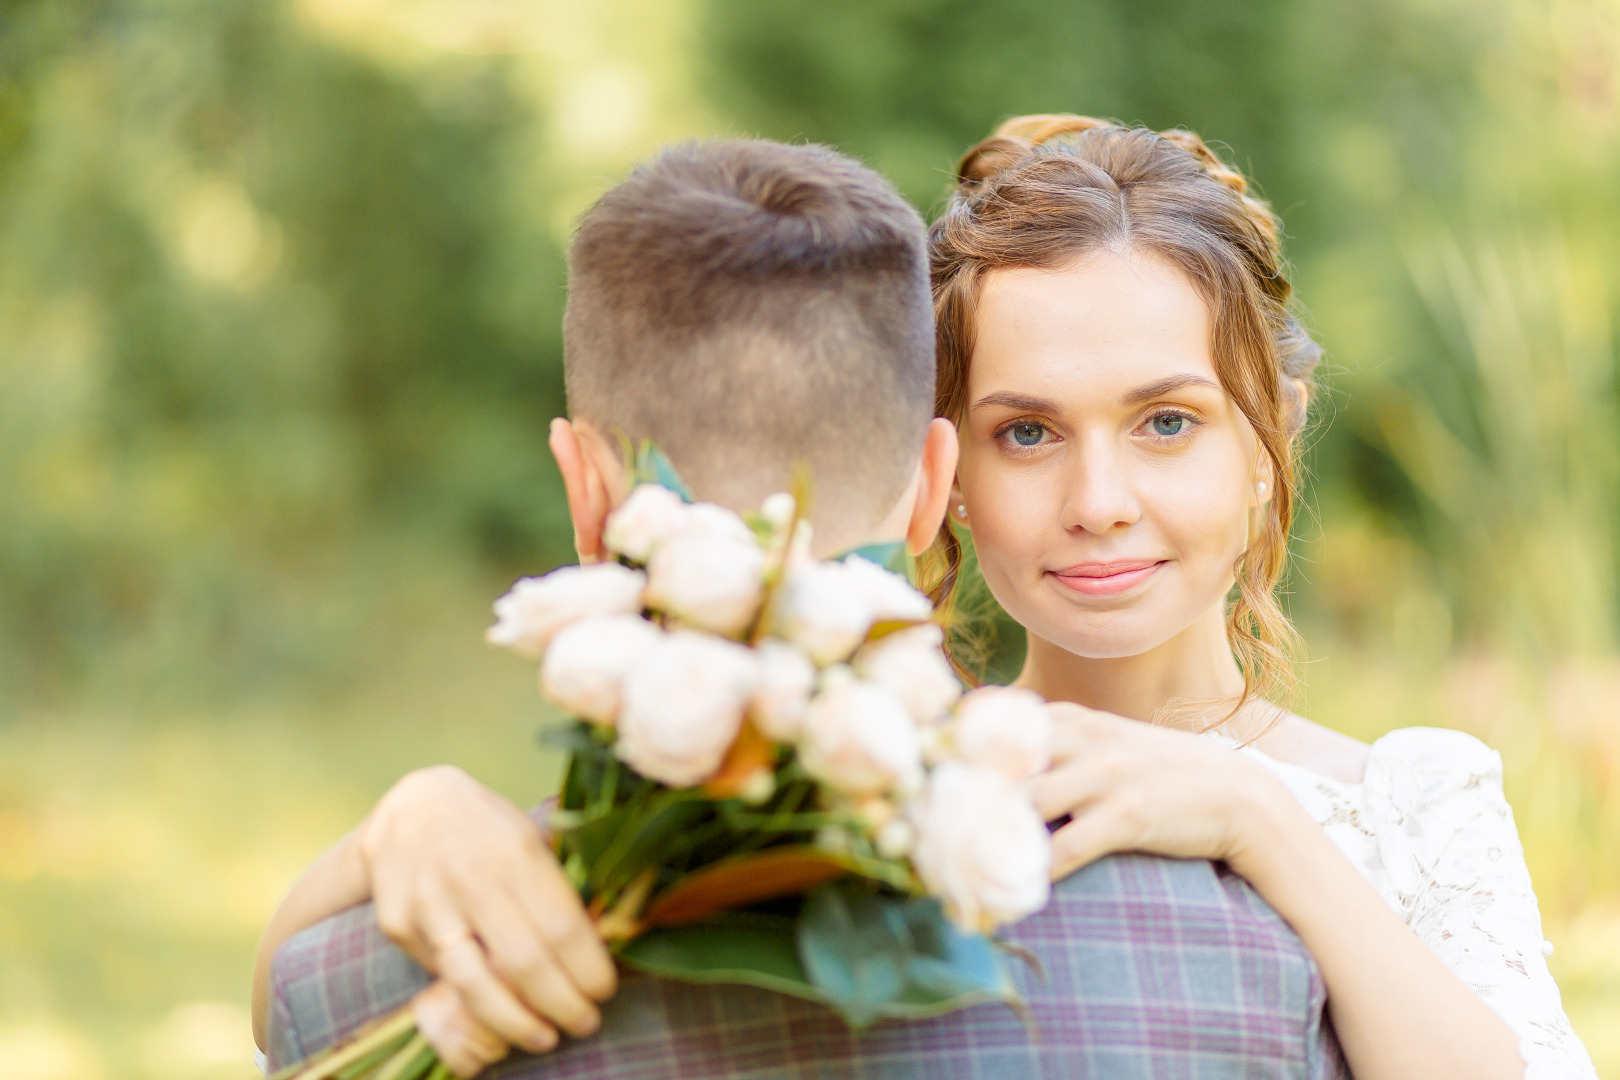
(1152, 968)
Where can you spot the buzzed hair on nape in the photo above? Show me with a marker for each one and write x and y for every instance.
(749, 305)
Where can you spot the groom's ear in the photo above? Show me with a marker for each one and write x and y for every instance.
(936, 472)
(593, 476)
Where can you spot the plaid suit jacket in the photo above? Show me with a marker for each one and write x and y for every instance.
(1154, 968)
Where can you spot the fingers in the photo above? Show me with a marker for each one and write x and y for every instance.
(551, 905)
(1067, 789)
(459, 959)
(464, 883)
(396, 919)
(462, 1042)
(1086, 839)
(521, 953)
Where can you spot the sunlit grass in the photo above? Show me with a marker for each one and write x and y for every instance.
(142, 853)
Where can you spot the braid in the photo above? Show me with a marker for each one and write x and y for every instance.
(1014, 140)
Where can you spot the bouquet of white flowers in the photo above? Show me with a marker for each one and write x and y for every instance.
(774, 777)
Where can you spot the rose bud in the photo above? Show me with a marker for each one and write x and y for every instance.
(709, 574)
(532, 612)
(981, 847)
(587, 663)
(889, 597)
(786, 679)
(682, 707)
(859, 739)
(778, 511)
(1004, 728)
(910, 665)
(823, 610)
(651, 515)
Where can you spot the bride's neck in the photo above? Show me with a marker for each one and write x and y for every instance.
(1195, 666)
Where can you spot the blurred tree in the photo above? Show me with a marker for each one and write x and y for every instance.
(263, 312)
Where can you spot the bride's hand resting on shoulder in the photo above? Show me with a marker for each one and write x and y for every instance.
(1132, 786)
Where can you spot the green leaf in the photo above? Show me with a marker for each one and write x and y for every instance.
(652, 467)
(856, 949)
(590, 763)
(863, 953)
(950, 964)
(640, 832)
(757, 951)
(874, 955)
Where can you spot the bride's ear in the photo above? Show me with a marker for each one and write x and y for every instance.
(936, 474)
(593, 477)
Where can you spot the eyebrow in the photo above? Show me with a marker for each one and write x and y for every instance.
(1026, 403)
(1008, 400)
(1166, 386)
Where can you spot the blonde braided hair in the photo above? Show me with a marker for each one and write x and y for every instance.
(1044, 190)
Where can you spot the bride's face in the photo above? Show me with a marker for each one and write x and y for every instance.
(1108, 479)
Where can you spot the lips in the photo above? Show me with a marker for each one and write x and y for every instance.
(1107, 578)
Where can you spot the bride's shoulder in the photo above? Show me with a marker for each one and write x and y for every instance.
(1309, 745)
(1436, 752)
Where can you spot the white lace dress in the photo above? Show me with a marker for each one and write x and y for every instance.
(1429, 827)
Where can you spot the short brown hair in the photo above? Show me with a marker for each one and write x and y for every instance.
(750, 305)
(1043, 192)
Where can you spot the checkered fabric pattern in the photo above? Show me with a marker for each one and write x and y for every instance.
(1153, 968)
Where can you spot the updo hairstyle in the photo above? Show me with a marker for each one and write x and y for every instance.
(1045, 191)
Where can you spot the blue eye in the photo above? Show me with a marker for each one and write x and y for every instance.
(1027, 434)
(1168, 424)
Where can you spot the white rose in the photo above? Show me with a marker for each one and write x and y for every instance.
(709, 574)
(682, 706)
(1004, 728)
(859, 739)
(981, 847)
(890, 596)
(651, 515)
(910, 664)
(587, 664)
(532, 612)
(786, 679)
(718, 523)
(822, 610)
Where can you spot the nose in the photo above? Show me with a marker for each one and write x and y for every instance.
(1099, 495)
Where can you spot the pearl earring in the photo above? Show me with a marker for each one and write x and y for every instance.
(1260, 487)
(961, 510)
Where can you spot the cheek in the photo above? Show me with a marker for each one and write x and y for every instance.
(1012, 512)
(1201, 508)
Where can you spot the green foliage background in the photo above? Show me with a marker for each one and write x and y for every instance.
(280, 287)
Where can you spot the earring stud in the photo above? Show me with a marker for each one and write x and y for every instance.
(1260, 487)
(961, 510)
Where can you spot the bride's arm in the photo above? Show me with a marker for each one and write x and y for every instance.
(1398, 1011)
(464, 883)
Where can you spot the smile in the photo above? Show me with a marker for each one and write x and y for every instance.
(1107, 579)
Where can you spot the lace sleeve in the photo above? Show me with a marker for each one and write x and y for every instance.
(1446, 838)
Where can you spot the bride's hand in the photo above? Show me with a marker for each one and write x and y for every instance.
(464, 882)
(464, 1043)
(1132, 786)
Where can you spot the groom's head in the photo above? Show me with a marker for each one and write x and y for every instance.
(750, 306)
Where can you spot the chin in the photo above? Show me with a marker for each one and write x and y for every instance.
(1108, 635)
